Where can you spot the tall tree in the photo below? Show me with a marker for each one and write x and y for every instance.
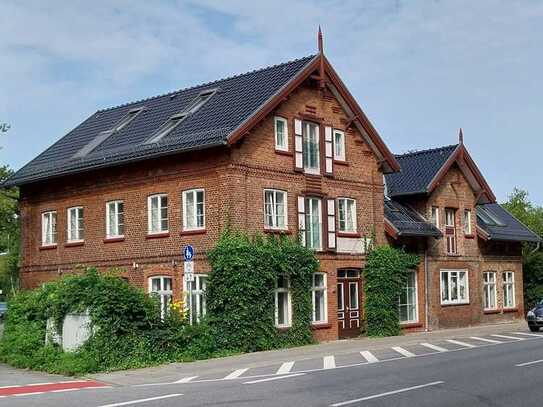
(531, 215)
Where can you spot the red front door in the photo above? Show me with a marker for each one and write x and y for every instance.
(348, 303)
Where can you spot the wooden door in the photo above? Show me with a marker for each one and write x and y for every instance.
(348, 303)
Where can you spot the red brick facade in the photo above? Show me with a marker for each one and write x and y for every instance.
(234, 179)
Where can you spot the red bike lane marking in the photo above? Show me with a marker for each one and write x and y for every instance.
(48, 387)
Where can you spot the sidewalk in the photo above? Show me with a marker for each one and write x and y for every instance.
(308, 356)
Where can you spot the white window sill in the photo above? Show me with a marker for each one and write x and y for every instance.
(157, 232)
(115, 237)
(75, 241)
(312, 172)
(455, 303)
(281, 148)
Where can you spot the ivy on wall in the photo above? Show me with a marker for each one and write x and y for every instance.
(384, 277)
(240, 300)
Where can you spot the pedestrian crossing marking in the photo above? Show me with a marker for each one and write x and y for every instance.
(370, 357)
(403, 352)
(434, 347)
(186, 379)
(507, 337)
(467, 345)
(235, 374)
(285, 368)
(329, 362)
(485, 339)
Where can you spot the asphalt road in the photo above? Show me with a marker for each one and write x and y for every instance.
(508, 373)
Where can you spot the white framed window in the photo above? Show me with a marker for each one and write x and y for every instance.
(275, 209)
(434, 216)
(339, 145)
(508, 289)
(450, 230)
(114, 219)
(281, 133)
(489, 290)
(49, 228)
(75, 226)
(454, 287)
(313, 223)
(311, 148)
(195, 300)
(283, 306)
(161, 287)
(347, 215)
(408, 309)
(467, 222)
(194, 209)
(320, 298)
(157, 213)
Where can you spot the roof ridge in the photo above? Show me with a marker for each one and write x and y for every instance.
(309, 57)
(429, 150)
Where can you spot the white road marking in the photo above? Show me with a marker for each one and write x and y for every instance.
(186, 379)
(329, 362)
(369, 356)
(285, 368)
(508, 337)
(529, 363)
(403, 352)
(434, 347)
(235, 374)
(269, 379)
(28, 394)
(527, 334)
(26, 385)
(477, 338)
(467, 345)
(388, 393)
(126, 403)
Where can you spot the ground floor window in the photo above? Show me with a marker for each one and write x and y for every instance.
(161, 287)
(195, 301)
(489, 290)
(454, 287)
(319, 298)
(408, 299)
(283, 307)
(508, 289)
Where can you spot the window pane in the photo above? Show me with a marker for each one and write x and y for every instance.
(319, 306)
(189, 209)
(155, 282)
(318, 280)
(340, 303)
(200, 209)
(444, 286)
(353, 295)
(282, 312)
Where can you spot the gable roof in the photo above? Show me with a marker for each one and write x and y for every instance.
(237, 104)
(406, 222)
(422, 171)
(496, 223)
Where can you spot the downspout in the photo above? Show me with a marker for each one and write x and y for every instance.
(426, 291)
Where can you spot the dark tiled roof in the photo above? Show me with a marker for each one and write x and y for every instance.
(417, 171)
(237, 99)
(499, 224)
(407, 221)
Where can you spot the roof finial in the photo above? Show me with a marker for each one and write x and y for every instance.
(461, 136)
(319, 41)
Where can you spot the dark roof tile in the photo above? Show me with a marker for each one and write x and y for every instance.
(408, 222)
(499, 224)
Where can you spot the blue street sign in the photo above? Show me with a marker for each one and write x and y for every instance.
(188, 252)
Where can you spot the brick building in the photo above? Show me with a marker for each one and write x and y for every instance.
(285, 149)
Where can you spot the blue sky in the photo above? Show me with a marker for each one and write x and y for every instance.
(420, 69)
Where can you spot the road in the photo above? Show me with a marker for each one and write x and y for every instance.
(504, 369)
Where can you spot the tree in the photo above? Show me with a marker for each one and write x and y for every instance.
(9, 235)
(531, 215)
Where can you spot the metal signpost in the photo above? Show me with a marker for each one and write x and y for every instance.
(188, 273)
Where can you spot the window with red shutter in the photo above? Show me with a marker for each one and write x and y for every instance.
(450, 230)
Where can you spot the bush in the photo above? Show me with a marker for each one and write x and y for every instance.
(127, 329)
(240, 300)
(384, 277)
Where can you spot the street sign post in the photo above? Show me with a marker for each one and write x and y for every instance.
(188, 273)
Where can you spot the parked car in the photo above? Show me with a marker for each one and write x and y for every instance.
(3, 309)
(535, 317)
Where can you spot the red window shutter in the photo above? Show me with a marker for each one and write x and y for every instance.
(328, 151)
(301, 219)
(331, 216)
(298, 146)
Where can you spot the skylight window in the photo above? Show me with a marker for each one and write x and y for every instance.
(131, 115)
(167, 128)
(176, 119)
(104, 135)
(488, 217)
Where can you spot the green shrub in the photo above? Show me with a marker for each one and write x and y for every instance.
(240, 299)
(384, 277)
